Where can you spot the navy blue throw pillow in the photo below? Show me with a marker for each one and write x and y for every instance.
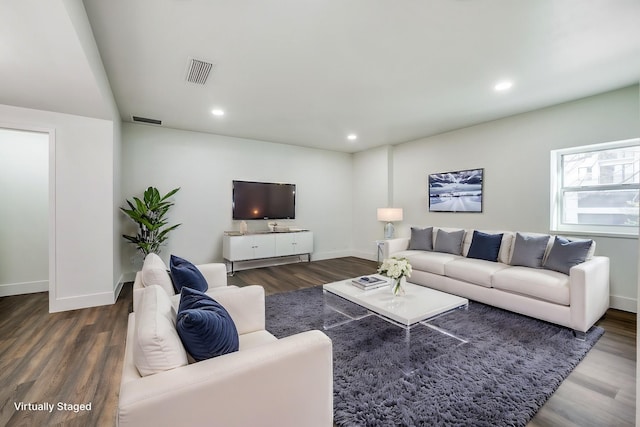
(183, 273)
(485, 246)
(204, 326)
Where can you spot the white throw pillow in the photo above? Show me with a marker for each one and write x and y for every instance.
(156, 344)
(154, 272)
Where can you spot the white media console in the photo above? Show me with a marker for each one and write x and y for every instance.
(238, 247)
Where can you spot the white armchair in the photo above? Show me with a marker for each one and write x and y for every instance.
(268, 382)
(155, 272)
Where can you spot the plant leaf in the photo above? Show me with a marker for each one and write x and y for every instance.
(149, 213)
(171, 193)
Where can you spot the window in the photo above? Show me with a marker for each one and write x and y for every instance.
(595, 188)
(584, 173)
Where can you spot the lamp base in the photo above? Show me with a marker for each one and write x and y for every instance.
(388, 231)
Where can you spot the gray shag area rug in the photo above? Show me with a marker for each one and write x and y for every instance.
(511, 365)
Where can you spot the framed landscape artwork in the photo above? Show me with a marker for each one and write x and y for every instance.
(459, 191)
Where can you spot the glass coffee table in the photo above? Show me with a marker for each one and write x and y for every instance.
(344, 303)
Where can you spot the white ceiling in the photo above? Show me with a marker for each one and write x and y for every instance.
(43, 64)
(310, 72)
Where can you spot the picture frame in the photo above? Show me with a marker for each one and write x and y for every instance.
(456, 191)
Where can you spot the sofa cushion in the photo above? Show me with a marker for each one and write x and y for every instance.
(421, 239)
(449, 241)
(485, 246)
(156, 344)
(565, 254)
(186, 274)
(406, 253)
(476, 271)
(538, 283)
(432, 262)
(528, 250)
(204, 326)
(155, 272)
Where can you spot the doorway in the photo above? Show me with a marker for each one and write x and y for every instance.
(24, 211)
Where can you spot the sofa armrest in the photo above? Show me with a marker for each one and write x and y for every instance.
(288, 382)
(215, 274)
(589, 292)
(245, 306)
(396, 245)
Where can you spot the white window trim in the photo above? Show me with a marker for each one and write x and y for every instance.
(555, 203)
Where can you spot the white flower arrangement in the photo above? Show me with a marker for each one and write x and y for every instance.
(395, 268)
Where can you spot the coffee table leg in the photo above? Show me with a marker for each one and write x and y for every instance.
(406, 365)
(336, 307)
(444, 331)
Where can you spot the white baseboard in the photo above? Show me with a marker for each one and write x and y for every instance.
(623, 303)
(317, 256)
(117, 289)
(80, 301)
(92, 300)
(128, 277)
(24, 288)
(365, 255)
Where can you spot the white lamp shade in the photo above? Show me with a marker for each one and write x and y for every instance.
(389, 214)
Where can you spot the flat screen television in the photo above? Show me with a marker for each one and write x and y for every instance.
(263, 200)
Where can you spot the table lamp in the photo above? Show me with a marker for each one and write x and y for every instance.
(389, 215)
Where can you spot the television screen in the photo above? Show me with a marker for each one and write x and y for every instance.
(263, 200)
(459, 191)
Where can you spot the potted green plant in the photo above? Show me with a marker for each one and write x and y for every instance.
(149, 213)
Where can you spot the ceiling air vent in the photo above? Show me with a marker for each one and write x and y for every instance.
(198, 71)
(146, 120)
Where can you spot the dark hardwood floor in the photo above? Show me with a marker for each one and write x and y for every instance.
(76, 357)
(73, 357)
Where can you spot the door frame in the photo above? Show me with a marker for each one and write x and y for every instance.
(51, 132)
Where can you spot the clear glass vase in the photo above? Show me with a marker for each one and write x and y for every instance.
(398, 286)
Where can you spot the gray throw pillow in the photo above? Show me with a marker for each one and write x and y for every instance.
(528, 251)
(421, 239)
(449, 242)
(565, 254)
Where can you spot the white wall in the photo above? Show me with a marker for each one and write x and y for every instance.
(204, 165)
(371, 180)
(515, 153)
(24, 212)
(83, 161)
(118, 275)
(81, 272)
(78, 19)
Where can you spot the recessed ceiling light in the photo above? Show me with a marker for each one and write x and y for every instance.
(217, 112)
(502, 86)
(352, 137)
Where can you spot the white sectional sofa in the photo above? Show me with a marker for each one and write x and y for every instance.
(575, 300)
(267, 382)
